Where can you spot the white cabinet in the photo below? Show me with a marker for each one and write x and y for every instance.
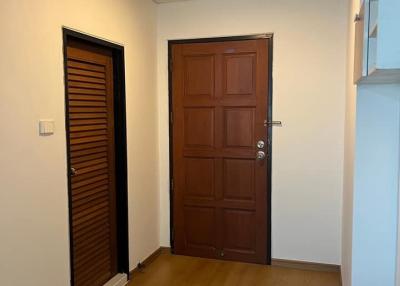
(377, 51)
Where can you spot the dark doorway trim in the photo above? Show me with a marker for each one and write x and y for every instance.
(270, 93)
(120, 143)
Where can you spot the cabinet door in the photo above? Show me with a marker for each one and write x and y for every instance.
(360, 45)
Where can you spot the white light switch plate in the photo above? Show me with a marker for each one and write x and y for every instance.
(46, 127)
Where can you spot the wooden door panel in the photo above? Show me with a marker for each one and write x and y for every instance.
(200, 224)
(239, 236)
(239, 70)
(91, 154)
(219, 107)
(239, 231)
(199, 76)
(199, 178)
(239, 127)
(199, 127)
(239, 175)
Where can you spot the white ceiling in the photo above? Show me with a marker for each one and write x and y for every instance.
(167, 1)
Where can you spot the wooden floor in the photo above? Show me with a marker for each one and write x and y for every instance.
(170, 270)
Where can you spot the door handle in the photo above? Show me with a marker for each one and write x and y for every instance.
(260, 155)
(73, 171)
(272, 123)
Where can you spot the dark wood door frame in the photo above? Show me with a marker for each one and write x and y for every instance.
(269, 145)
(120, 143)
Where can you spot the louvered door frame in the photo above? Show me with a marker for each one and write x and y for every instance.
(171, 43)
(120, 144)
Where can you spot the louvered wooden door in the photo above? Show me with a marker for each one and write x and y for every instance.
(220, 100)
(92, 162)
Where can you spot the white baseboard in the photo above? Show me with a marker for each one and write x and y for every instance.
(120, 279)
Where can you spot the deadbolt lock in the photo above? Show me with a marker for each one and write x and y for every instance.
(260, 144)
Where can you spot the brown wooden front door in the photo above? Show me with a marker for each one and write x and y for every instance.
(91, 156)
(219, 108)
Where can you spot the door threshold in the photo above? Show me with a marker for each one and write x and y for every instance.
(120, 279)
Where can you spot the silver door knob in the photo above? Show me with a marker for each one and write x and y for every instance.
(260, 155)
(73, 172)
(260, 144)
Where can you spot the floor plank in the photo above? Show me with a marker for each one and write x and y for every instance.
(171, 270)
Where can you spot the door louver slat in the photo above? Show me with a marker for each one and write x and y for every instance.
(98, 220)
(87, 133)
(85, 236)
(82, 72)
(86, 91)
(89, 187)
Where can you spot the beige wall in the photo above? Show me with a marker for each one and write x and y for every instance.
(349, 151)
(309, 97)
(34, 247)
